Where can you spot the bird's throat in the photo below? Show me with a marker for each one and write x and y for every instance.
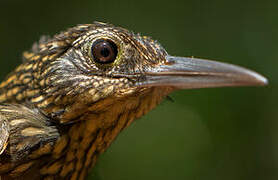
(96, 130)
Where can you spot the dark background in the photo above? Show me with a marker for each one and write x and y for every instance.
(224, 133)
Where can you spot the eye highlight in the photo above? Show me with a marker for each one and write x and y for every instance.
(104, 51)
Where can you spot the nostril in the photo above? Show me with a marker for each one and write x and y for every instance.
(170, 60)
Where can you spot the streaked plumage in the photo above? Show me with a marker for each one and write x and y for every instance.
(61, 108)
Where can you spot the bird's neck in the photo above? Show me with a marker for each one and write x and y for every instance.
(96, 130)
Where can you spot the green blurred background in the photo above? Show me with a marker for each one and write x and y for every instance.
(225, 133)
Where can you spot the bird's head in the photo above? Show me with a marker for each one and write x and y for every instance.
(102, 68)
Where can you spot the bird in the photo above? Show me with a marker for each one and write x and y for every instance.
(74, 92)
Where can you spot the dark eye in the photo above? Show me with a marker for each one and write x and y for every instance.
(104, 51)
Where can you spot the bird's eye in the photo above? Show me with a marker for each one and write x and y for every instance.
(104, 51)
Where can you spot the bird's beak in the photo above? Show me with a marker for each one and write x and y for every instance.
(190, 73)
